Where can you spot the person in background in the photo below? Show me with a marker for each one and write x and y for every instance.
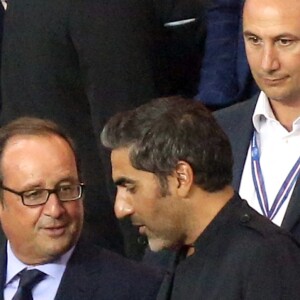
(41, 213)
(264, 131)
(225, 77)
(79, 62)
(3, 6)
(172, 166)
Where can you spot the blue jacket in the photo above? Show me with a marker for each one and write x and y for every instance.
(225, 77)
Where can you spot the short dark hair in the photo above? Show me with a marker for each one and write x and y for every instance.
(167, 130)
(36, 127)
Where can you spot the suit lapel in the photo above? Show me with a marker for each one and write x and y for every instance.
(165, 291)
(237, 124)
(292, 215)
(76, 283)
(241, 146)
(166, 287)
(3, 263)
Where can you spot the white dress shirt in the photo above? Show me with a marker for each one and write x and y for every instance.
(279, 151)
(44, 290)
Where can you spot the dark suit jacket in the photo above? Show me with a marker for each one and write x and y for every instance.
(180, 46)
(1, 35)
(236, 121)
(240, 255)
(225, 77)
(95, 273)
(78, 62)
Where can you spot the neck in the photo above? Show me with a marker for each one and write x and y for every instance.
(203, 207)
(286, 113)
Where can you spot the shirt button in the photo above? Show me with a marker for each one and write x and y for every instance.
(245, 218)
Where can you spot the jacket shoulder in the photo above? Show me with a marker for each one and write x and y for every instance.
(237, 110)
(113, 275)
(262, 229)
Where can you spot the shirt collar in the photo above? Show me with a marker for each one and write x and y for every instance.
(263, 113)
(53, 269)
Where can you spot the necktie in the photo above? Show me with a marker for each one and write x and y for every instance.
(28, 279)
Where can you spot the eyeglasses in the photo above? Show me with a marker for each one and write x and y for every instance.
(35, 197)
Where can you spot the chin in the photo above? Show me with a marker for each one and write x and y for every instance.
(157, 245)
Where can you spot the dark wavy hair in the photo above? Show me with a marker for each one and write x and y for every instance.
(167, 130)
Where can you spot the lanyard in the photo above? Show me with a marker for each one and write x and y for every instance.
(259, 183)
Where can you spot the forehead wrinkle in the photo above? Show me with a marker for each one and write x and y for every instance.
(272, 11)
(36, 170)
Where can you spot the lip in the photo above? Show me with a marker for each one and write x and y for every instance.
(55, 231)
(274, 81)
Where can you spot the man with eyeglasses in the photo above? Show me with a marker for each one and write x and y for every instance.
(41, 213)
(40, 196)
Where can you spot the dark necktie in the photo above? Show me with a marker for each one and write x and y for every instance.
(28, 279)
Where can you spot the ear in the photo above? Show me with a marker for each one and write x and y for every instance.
(185, 178)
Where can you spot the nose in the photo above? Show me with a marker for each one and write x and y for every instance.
(270, 61)
(53, 207)
(122, 207)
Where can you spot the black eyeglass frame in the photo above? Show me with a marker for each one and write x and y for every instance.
(81, 187)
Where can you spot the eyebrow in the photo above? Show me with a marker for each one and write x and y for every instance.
(277, 37)
(247, 33)
(122, 181)
(39, 185)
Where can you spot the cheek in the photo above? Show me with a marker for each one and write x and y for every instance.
(146, 206)
(169, 216)
(18, 224)
(20, 214)
(254, 62)
(75, 211)
(294, 66)
(254, 56)
(158, 215)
